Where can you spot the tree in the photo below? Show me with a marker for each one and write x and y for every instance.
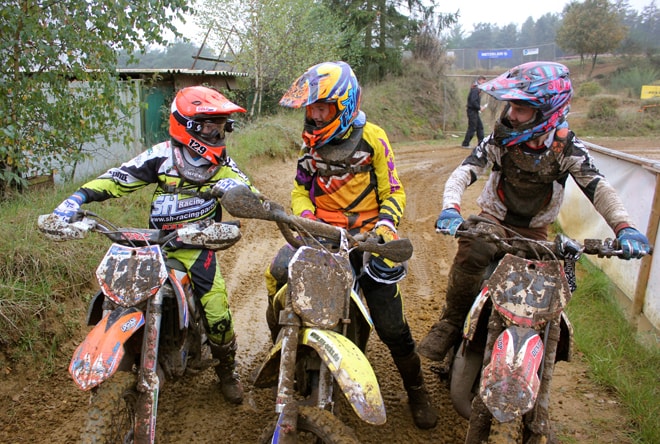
(46, 117)
(385, 28)
(590, 28)
(274, 40)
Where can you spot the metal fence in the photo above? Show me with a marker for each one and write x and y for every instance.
(487, 59)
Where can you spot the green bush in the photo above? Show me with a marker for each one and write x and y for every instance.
(603, 108)
(589, 89)
(633, 79)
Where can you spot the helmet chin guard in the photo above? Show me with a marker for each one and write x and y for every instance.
(193, 171)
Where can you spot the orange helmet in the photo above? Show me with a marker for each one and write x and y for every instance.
(198, 118)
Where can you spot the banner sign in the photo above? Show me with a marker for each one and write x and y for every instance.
(496, 54)
(650, 91)
(530, 51)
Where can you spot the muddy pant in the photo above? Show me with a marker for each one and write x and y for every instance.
(384, 301)
(209, 286)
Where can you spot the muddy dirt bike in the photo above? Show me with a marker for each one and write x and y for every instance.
(500, 372)
(148, 326)
(323, 328)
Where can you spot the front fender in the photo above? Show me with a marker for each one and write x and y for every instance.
(351, 370)
(98, 356)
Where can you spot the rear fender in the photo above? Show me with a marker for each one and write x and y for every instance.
(179, 280)
(99, 355)
(266, 374)
(510, 382)
(472, 319)
(351, 370)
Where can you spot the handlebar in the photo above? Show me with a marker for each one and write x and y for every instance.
(213, 236)
(241, 202)
(563, 247)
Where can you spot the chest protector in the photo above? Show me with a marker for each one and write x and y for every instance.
(527, 175)
(340, 159)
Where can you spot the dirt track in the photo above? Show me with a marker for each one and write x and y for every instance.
(52, 410)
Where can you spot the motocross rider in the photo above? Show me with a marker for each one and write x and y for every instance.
(194, 159)
(530, 154)
(346, 176)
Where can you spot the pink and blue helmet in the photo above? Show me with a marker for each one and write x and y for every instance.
(544, 86)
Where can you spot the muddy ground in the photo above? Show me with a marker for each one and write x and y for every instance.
(39, 409)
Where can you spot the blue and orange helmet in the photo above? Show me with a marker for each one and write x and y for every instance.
(329, 82)
(544, 86)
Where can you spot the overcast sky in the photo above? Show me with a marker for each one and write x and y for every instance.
(503, 12)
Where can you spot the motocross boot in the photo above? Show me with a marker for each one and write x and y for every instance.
(462, 288)
(424, 414)
(230, 382)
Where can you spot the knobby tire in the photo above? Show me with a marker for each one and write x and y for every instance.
(112, 410)
(316, 426)
(506, 432)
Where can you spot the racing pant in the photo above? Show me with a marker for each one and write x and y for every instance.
(209, 286)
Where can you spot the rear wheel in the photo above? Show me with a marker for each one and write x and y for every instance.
(110, 417)
(464, 382)
(316, 426)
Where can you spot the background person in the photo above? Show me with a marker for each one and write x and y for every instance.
(530, 154)
(346, 176)
(195, 159)
(474, 108)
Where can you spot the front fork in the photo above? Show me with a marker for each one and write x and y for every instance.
(536, 421)
(285, 405)
(148, 380)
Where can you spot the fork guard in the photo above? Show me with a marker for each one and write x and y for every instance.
(99, 355)
(348, 365)
(510, 382)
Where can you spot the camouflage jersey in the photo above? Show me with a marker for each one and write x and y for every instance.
(170, 206)
(525, 187)
(352, 188)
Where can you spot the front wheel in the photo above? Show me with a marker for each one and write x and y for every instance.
(110, 418)
(316, 426)
(506, 432)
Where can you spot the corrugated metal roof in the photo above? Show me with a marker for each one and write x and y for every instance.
(188, 72)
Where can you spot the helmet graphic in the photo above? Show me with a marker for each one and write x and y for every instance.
(544, 86)
(198, 120)
(330, 82)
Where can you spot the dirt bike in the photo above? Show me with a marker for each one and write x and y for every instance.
(148, 326)
(323, 328)
(500, 371)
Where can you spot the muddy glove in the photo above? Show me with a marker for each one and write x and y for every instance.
(68, 209)
(633, 243)
(448, 221)
(385, 229)
(379, 268)
(307, 214)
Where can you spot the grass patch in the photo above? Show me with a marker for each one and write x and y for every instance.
(615, 358)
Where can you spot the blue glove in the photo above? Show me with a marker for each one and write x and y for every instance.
(67, 209)
(448, 221)
(633, 243)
